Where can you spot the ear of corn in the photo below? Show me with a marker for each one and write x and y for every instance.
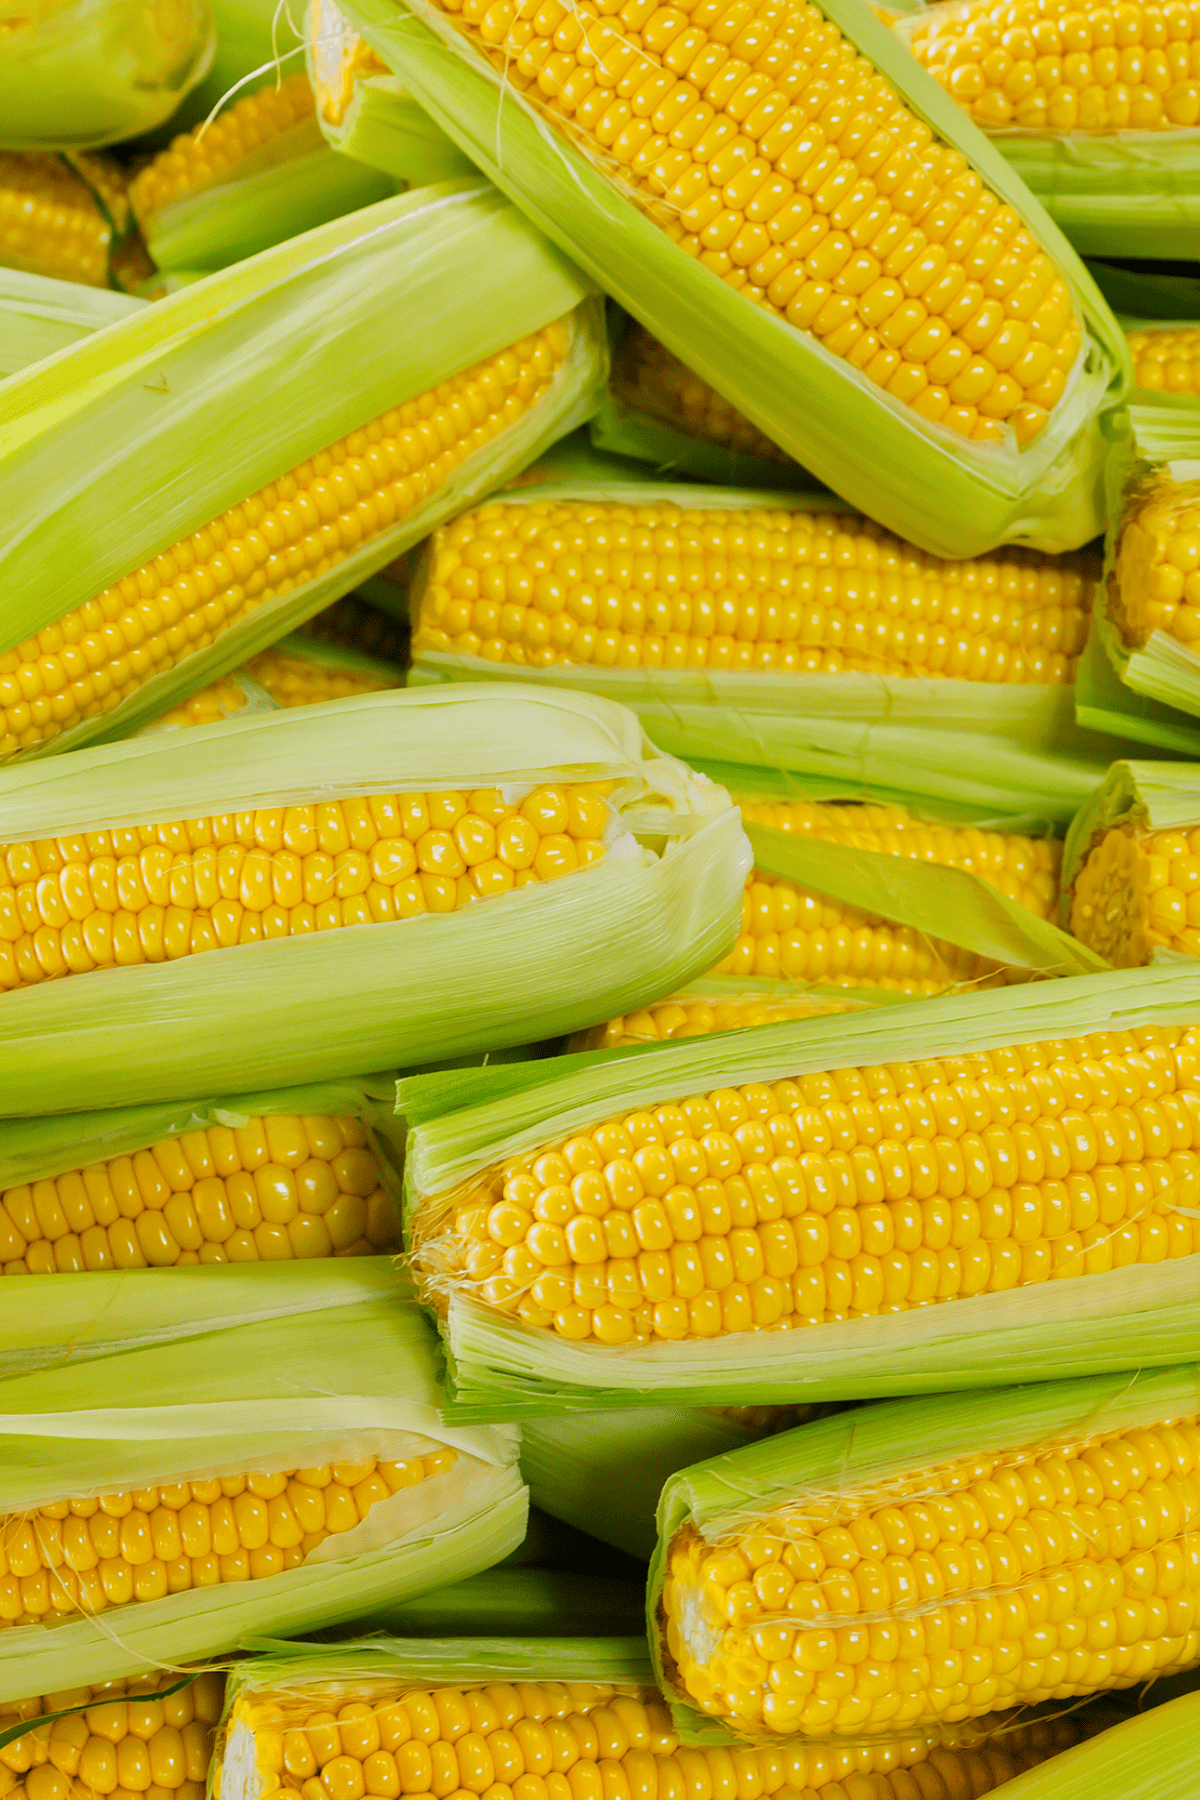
(1035, 1548)
(1166, 359)
(303, 671)
(258, 173)
(954, 1286)
(1096, 114)
(231, 527)
(365, 112)
(157, 1729)
(40, 315)
(68, 218)
(229, 1506)
(353, 814)
(75, 76)
(952, 681)
(629, 194)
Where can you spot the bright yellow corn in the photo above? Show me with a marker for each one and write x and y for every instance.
(355, 622)
(1139, 891)
(1087, 67)
(128, 1741)
(295, 680)
(769, 149)
(68, 217)
(549, 1740)
(220, 700)
(89, 1554)
(202, 155)
(682, 1018)
(269, 1190)
(649, 380)
(337, 63)
(1167, 360)
(837, 1196)
(1006, 1580)
(1156, 583)
(289, 533)
(552, 582)
(154, 893)
(793, 933)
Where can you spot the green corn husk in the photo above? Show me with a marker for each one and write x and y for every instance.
(77, 74)
(536, 963)
(1152, 795)
(511, 1603)
(378, 123)
(988, 747)
(40, 316)
(855, 1453)
(357, 1377)
(105, 1311)
(1147, 293)
(952, 498)
(461, 1123)
(290, 185)
(176, 396)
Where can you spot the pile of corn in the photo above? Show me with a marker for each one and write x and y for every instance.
(616, 568)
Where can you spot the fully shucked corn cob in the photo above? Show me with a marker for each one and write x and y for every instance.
(128, 1736)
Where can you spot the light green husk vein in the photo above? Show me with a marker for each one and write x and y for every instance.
(953, 498)
(500, 1368)
(396, 298)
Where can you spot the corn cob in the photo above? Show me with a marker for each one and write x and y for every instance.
(1155, 582)
(69, 217)
(1166, 358)
(155, 893)
(1094, 68)
(683, 1016)
(269, 1190)
(295, 679)
(197, 158)
(938, 1594)
(551, 583)
(128, 1740)
(1139, 891)
(649, 380)
(86, 1554)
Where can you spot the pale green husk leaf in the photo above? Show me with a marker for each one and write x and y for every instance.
(953, 498)
(536, 963)
(464, 1122)
(284, 1393)
(40, 316)
(399, 296)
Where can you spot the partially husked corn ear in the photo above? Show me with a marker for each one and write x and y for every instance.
(272, 1189)
(201, 156)
(683, 1017)
(649, 380)
(551, 1740)
(291, 532)
(1082, 66)
(354, 622)
(296, 680)
(1155, 583)
(1008, 1579)
(133, 1738)
(842, 1195)
(769, 149)
(549, 583)
(88, 1554)
(69, 217)
(339, 58)
(1167, 359)
(1138, 891)
(154, 893)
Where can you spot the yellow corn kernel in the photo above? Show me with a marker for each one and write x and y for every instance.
(295, 680)
(155, 893)
(280, 1187)
(159, 1541)
(1155, 585)
(290, 533)
(1166, 359)
(1090, 68)
(199, 157)
(834, 1196)
(339, 57)
(1138, 891)
(1012, 1579)
(683, 1017)
(220, 700)
(77, 1757)
(650, 381)
(556, 582)
(769, 150)
(68, 217)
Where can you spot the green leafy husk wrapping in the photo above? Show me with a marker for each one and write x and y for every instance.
(852, 1453)
(950, 497)
(348, 1383)
(1155, 796)
(40, 316)
(536, 963)
(555, 1603)
(110, 1310)
(461, 1123)
(77, 74)
(986, 747)
(175, 396)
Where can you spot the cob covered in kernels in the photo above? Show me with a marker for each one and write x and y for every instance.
(1131, 870)
(296, 673)
(1154, 584)
(69, 217)
(649, 381)
(198, 158)
(688, 1015)
(150, 1734)
(1166, 358)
